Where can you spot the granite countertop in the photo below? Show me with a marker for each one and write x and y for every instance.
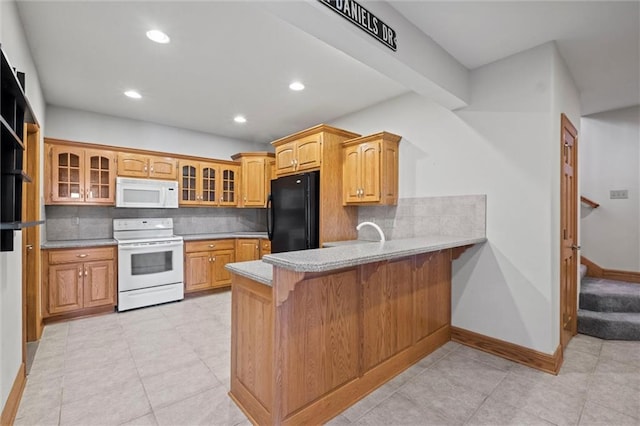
(222, 235)
(79, 243)
(256, 270)
(113, 242)
(348, 255)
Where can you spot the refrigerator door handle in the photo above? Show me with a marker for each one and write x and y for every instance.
(270, 217)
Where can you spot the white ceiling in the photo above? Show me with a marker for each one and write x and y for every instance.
(225, 58)
(599, 40)
(228, 58)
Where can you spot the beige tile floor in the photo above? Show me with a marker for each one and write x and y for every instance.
(169, 365)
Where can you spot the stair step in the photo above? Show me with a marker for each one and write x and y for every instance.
(583, 271)
(609, 296)
(609, 325)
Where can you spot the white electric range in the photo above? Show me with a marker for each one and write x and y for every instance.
(150, 262)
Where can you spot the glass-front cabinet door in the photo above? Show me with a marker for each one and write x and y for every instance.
(99, 177)
(209, 177)
(189, 193)
(80, 176)
(67, 180)
(229, 185)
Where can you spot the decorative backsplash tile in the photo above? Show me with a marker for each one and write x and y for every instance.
(83, 223)
(463, 215)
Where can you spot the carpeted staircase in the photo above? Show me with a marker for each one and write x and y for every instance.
(609, 309)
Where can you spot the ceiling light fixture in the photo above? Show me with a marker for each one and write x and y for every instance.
(239, 119)
(133, 94)
(296, 86)
(158, 36)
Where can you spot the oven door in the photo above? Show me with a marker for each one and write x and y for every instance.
(150, 264)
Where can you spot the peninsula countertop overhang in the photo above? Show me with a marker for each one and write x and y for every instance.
(348, 254)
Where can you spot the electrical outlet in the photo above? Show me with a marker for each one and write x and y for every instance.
(619, 194)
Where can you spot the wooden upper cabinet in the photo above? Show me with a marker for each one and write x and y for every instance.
(76, 175)
(207, 183)
(370, 169)
(309, 153)
(255, 182)
(299, 155)
(147, 166)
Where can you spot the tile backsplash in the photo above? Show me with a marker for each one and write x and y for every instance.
(463, 215)
(87, 222)
(412, 217)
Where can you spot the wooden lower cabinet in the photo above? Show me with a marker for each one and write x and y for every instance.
(247, 249)
(265, 247)
(313, 344)
(205, 262)
(78, 279)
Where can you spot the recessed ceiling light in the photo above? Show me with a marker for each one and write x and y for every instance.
(158, 36)
(239, 119)
(297, 86)
(133, 94)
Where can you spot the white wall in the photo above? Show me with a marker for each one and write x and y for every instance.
(83, 126)
(15, 48)
(610, 159)
(501, 145)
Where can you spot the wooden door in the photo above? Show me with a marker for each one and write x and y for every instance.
(247, 249)
(568, 231)
(163, 168)
(351, 174)
(99, 283)
(370, 172)
(285, 156)
(133, 165)
(65, 287)
(222, 277)
(67, 174)
(198, 268)
(308, 153)
(31, 236)
(188, 182)
(228, 186)
(253, 182)
(99, 177)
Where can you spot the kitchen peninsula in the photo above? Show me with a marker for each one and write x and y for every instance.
(314, 331)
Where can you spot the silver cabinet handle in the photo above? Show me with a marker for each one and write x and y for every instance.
(80, 273)
(214, 258)
(210, 260)
(575, 247)
(82, 256)
(212, 245)
(29, 247)
(86, 273)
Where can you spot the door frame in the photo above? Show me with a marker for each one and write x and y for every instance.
(567, 333)
(31, 254)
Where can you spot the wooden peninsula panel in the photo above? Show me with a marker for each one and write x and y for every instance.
(314, 343)
(388, 309)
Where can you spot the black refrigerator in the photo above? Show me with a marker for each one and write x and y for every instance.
(292, 212)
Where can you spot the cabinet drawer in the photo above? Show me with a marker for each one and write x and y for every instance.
(81, 255)
(207, 245)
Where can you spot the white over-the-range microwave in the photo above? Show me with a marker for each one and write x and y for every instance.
(146, 193)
